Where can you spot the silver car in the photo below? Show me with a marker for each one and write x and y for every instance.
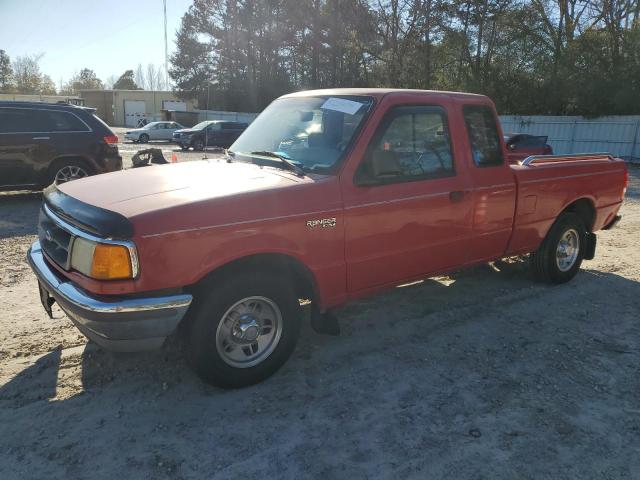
(153, 131)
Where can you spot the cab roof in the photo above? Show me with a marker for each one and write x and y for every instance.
(378, 93)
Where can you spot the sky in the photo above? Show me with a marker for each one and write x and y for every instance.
(108, 37)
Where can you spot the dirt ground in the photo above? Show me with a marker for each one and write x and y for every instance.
(483, 374)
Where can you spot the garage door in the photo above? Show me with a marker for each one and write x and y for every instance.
(134, 111)
(174, 105)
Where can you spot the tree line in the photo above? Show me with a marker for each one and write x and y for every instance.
(557, 57)
(24, 76)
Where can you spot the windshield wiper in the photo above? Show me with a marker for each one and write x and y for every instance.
(285, 161)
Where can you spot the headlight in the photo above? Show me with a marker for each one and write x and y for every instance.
(103, 261)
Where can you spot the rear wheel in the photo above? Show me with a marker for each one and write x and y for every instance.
(560, 255)
(65, 171)
(244, 329)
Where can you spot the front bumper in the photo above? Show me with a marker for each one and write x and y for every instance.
(124, 324)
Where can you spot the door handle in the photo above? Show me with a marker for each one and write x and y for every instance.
(41, 138)
(457, 195)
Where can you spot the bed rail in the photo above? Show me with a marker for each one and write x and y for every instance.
(573, 157)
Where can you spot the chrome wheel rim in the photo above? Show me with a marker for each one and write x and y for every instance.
(68, 173)
(249, 332)
(567, 251)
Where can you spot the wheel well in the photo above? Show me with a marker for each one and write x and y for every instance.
(56, 162)
(61, 160)
(280, 264)
(585, 209)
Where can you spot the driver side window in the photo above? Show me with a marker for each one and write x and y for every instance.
(411, 144)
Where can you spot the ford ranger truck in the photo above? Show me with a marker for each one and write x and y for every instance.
(328, 196)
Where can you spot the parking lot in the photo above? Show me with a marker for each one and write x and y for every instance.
(128, 149)
(482, 374)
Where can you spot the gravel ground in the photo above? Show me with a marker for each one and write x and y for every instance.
(482, 374)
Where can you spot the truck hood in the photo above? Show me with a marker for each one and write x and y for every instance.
(139, 192)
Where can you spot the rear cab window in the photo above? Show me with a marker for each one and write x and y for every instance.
(482, 129)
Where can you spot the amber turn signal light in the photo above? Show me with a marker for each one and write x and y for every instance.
(111, 262)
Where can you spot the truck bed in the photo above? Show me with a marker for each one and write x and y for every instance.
(548, 184)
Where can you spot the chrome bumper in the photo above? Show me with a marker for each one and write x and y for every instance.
(119, 324)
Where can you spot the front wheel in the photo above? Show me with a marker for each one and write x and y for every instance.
(144, 138)
(243, 330)
(198, 145)
(560, 255)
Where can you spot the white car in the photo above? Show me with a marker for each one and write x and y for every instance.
(153, 131)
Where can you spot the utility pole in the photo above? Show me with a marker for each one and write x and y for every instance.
(206, 129)
(166, 51)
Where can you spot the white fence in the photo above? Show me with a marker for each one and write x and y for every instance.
(228, 116)
(618, 135)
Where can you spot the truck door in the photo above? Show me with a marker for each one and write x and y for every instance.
(493, 184)
(408, 210)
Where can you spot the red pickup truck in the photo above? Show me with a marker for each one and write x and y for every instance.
(328, 196)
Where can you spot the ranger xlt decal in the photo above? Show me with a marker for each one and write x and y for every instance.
(322, 222)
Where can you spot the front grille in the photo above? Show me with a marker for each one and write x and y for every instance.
(55, 241)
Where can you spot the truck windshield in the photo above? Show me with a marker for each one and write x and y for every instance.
(311, 132)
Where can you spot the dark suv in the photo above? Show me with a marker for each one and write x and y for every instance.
(44, 143)
(212, 133)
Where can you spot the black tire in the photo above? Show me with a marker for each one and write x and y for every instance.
(58, 166)
(183, 148)
(143, 138)
(198, 145)
(544, 262)
(211, 305)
